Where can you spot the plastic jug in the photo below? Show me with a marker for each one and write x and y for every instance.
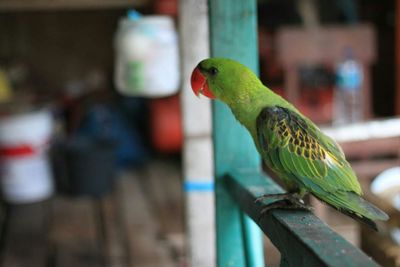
(147, 61)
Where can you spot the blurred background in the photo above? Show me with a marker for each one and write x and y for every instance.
(91, 125)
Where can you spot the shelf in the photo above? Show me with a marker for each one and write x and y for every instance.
(35, 5)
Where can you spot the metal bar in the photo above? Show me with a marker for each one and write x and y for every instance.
(233, 27)
(302, 238)
(253, 238)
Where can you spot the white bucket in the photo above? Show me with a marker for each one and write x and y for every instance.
(25, 169)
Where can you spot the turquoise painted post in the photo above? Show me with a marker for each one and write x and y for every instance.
(233, 29)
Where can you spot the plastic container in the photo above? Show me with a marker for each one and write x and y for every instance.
(90, 166)
(147, 61)
(349, 79)
(25, 168)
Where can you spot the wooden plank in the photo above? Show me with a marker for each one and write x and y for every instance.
(145, 248)
(113, 238)
(302, 238)
(25, 240)
(369, 169)
(19, 5)
(199, 204)
(372, 147)
(163, 188)
(233, 27)
(161, 183)
(325, 44)
(74, 233)
(362, 131)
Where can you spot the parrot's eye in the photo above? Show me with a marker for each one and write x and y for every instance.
(213, 71)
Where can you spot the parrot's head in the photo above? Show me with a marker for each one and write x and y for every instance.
(223, 78)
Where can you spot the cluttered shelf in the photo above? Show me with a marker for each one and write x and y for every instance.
(132, 226)
(6, 5)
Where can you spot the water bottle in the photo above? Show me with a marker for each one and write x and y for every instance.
(348, 98)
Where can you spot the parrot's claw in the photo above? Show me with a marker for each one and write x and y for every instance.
(289, 205)
(273, 196)
(292, 197)
(290, 201)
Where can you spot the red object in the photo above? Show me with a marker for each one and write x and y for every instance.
(22, 150)
(166, 7)
(199, 84)
(317, 104)
(165, 123)
(17, 151)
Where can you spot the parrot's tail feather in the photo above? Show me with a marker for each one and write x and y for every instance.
(360, 219)
(355, 206)
(372, 212)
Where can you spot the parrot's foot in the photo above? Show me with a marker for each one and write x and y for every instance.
(292, 197)
(287, 201)
(288, 205)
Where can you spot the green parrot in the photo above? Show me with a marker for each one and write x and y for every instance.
(291, 145)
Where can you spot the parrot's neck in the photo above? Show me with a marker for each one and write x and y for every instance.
(247, 108)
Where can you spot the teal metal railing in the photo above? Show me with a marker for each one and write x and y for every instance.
(301, 237)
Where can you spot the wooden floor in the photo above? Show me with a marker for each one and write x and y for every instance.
(139, 224)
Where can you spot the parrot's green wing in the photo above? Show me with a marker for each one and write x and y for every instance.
(301, 154)
(296, 146)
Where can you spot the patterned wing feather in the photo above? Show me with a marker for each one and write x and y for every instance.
(293, 146)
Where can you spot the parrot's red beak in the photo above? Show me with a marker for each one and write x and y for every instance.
(199, 84)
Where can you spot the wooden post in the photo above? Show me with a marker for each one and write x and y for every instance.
(233, 27)
(397, 51)
(197, 152)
